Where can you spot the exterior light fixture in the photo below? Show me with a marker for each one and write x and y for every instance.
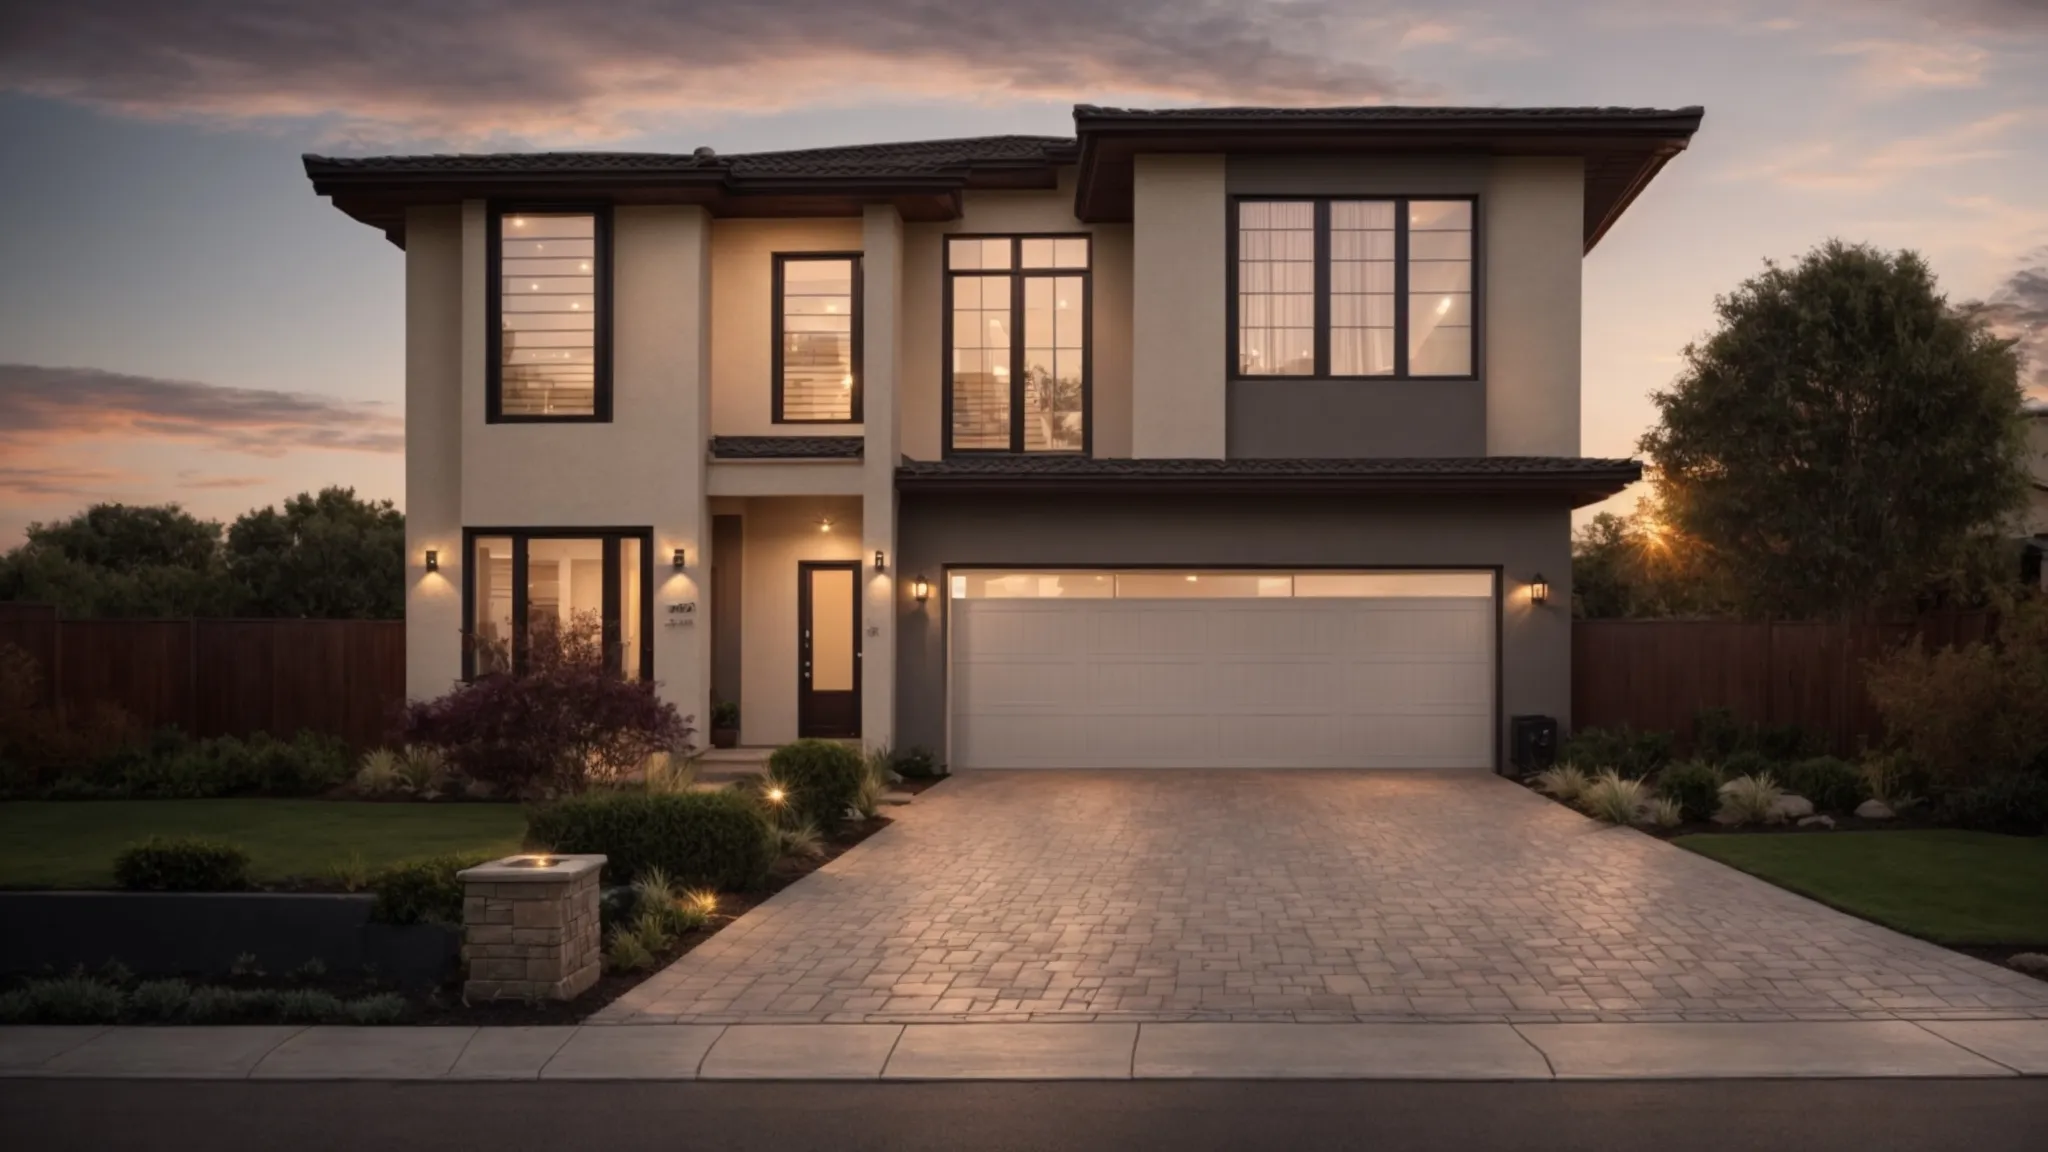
(433, 560)
(1539, 589)
(921, 588)
(881, 562)
(680, 559)
(775, 795)
(824, 524)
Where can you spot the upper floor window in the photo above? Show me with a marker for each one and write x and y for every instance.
(1017, 312)
(1354, 288)
(549, 307)
(817, 339)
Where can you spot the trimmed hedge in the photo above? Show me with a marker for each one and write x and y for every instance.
(1624, 751)
(700, 839)
(824, 779)
(423, 891)
(1833, 785)
(1694, 785)
(182, 864)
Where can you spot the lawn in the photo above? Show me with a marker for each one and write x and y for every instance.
(1947, 886)
(72, 844)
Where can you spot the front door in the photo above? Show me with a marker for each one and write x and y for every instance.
(828, 650)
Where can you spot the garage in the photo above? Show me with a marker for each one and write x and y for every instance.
(1157, 668)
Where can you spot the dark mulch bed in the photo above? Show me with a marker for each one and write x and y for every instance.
(446, 1007)
(2000, 953)
(919, 786)
(1918, 817)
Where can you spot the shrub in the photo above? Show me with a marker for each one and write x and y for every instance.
(876, 776)
(1750, 800)
(562, 724)
(351, 874)
(211, 1004)
(725, 714)
(918, 764)
(1894, 779)
(1612, 798)
(382, 1008)
(1564, 781)
(1718, 735)
(624, 951)
(1693, 785)
(799, 838)
(1833, 785)
(423, 770)
(40, 744)
(181, 864)
(1623, 751)
(64, 1000)
(1748, 763)
(423, 891)
(160, 1001)
(179, 769)
(720, 839)
(1666, 812)
(824, 779)
(2015, 803)
(308, 1006)
(378, 774)
(1973, 712)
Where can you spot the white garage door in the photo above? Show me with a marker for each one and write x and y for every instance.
(1221, 670)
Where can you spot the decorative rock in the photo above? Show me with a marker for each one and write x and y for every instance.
(1817, 822)
(1790, 807)
(2032, 963)
(1873, 810)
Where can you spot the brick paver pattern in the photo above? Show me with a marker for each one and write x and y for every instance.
(1308, 896)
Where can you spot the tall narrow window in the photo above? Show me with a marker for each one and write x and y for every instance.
(549, 328)
(817, 339)
(1017, 312)
(1347, 288)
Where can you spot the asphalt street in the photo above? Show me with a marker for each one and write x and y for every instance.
(1711, 1116)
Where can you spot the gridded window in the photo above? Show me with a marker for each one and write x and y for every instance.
(1276, 288)
(817, 334)
(1018, 371)
(1355, 288)
(549, 329)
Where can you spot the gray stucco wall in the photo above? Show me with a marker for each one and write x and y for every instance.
(1521, 537)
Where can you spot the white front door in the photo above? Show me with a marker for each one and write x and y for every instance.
(1145, 671)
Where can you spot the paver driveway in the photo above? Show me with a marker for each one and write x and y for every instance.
(1294, 895)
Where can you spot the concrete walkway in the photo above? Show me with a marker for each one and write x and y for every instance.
(1300, 897)
(1892, 1048)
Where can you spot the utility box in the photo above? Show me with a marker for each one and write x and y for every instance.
(1532, 743)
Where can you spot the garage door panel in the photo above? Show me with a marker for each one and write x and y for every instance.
(1282, 682)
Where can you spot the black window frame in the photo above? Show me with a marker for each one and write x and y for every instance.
(1233, 310)
(1017, 273)
(601, 302)
(612, 537)
(781, 260)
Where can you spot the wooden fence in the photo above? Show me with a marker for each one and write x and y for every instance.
(1657, 674)
(221, 677)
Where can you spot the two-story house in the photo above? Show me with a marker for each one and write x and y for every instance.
(1206, 437)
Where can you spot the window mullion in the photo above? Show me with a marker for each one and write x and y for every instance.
(1401, 288)
(1322, 288)
(1016, 347)
(520, 606)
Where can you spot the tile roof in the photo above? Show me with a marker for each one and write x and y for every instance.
(786, 447)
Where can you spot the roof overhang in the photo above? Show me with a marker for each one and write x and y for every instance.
(1623, 148)
(1582, 481)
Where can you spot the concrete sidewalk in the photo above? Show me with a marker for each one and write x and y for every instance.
(1127, 1051)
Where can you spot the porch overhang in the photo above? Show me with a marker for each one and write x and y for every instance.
(1582, 480)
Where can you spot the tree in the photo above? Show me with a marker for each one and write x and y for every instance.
(121, 560)
(1844, 440)
(1635, 566)
(326, 556)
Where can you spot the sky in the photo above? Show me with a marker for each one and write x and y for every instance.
(182, 319)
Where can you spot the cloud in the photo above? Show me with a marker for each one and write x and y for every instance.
(192, 478)
(546, 69)
(2018, 310)
(1894, 65)
(59, 480)
(41, 408)
(1831, 166)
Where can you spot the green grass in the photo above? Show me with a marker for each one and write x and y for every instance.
(72, 844)
(1947, 886)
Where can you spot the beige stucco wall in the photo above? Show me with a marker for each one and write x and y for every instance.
(1533, 234)
(923, 355)
(742, 333)
(779, 533)
(433, 449)
(1179, 307)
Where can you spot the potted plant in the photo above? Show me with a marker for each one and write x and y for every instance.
(725, 724)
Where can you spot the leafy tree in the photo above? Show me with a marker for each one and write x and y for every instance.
(1636, 566)
(121, 560)
(1844, 440)
(327, 556)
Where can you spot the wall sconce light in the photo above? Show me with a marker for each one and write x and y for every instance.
(881, 564)
(681, 559)
(921, 589)
(824, 524)
(433, 560)
(1539, 589)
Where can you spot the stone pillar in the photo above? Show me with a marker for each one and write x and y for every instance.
(529, 927)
